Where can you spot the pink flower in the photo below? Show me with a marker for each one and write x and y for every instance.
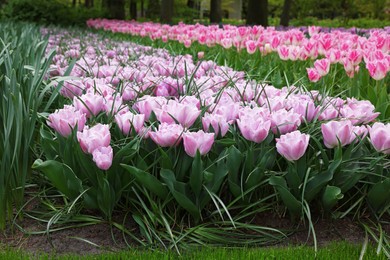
(292, 146)
(147, 104)
(182, 113)
(251, 46)
(72, 88)
(167, 135)
(283, 121)
(197, 141)
(94, 137)
(377, 69)
(102, 156)
(200, 55)
(380, 137)
(218, 122)
(322, 66)
(283, 52)
(255, 130)
(89, 103)
(64, 120)
(127, 121)
(313, 74)
(335, 132)
(359, 112)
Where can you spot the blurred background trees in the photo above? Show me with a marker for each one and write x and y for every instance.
(263, 12)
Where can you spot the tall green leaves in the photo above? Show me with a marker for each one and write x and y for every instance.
(23, 66)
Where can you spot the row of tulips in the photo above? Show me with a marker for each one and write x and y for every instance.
(345, 48)
(130, 108)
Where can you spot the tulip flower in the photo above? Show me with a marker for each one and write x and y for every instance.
(335, 132)
(90, 104)
(380, 137)
(94, 137)
(197, 141)
(128, 121)
(322, 66)
(313, 74)
(167, 135)
(255, 130)
(64, 120)
(102, 156)
(292, 146)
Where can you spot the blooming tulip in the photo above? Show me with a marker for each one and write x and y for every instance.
(90, 104)
(94, 137)
(64, 120)
(197, 141)
(167, 135)
(255, 130)
(102, 156)
(335, 132)
(380, 137)
(127, 121)
(292, 146)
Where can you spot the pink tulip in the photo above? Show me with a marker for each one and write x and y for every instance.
(174, 111)
(380, 137)
(90, 104)
(251, 46)
(322, 66)
(359, 112)
(94, 137)
(283, 52)
(72, 88)
(102, 156)
(167, 135)
(147, 104)
(313, 74)
(377, 69)
(255, 130)
(292, 146)
(197, 141)
(283, 121)
(64, 120)
(335, 132)
(218, 122)
(127, 121)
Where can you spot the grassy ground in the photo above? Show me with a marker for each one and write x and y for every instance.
(340, 250)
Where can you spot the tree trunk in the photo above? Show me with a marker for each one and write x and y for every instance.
(73, 3)
(142, 9)
(191, 3)
(215, 11)
(117, 9)
(133, 9)
(257, 12)
(87, 3)
(285, 16)
(166, 11)
(153, 9)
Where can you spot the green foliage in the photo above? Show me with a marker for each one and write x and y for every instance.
(48, 12)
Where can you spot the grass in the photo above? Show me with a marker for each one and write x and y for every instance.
(335, 250)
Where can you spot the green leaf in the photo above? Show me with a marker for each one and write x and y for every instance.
(331, 196)
(316, 183)
(196, 176)
(233, 162)
(293, 205)
(166, 162)
(61, 176)
(169, 178)
(149, 181)
(379, 195)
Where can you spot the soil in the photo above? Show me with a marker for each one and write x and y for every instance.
(101, 237)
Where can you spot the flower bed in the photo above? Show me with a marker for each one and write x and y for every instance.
(171, 140)
(337, 46)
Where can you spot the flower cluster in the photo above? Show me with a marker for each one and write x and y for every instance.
(337, 46)
(143, 92)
